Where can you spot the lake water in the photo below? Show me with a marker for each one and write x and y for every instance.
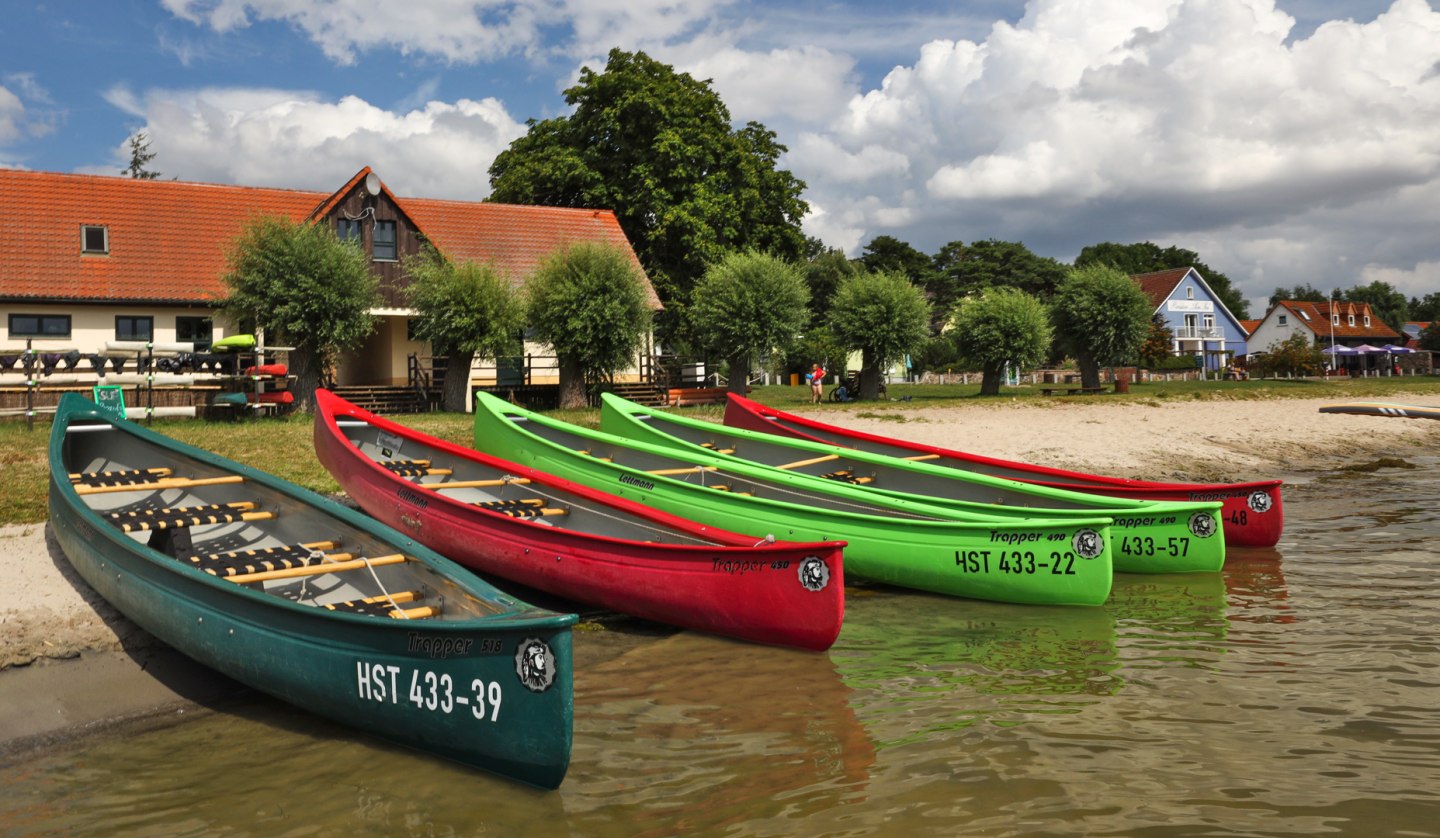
(1296, 693)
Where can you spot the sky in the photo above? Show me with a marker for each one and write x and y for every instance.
(1287, 142)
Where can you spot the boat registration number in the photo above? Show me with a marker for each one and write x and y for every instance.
(423, 689)
(1015, 562)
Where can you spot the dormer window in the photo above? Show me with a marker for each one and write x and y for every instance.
(1352, 320)
(1334, 320)
(1367, 320)
(94, 239)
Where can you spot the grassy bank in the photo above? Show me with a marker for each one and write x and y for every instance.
(282, 446)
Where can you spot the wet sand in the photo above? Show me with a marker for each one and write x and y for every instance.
(68, 661)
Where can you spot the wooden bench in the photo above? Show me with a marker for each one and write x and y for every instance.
(1070, 391)
(683, 396)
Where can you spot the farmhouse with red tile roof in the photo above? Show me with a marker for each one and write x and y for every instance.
(86, 259)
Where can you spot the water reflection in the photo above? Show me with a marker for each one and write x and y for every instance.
(700, 733)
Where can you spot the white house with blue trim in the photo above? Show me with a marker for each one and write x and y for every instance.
(1201, 324)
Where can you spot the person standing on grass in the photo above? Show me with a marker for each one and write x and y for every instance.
(817, 384)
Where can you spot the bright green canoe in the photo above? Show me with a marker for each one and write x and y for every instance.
(1150, 536)
(900, 542)
(309, 601)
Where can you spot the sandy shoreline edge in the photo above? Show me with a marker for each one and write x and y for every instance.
(68, 660)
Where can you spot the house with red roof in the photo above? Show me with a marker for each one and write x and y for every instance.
(1201, 324)
(88, 259)
(1326, 323)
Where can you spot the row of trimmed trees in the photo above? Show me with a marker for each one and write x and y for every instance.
(303, 286)
(306, 288)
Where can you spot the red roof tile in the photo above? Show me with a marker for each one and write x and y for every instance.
(1158, 285)
(1316, 316)
(168, 239)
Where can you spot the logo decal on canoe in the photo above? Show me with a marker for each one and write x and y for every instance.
(814, 574)
(1203, 524)
(535, 664)
(1087, 544)
(1260, 501)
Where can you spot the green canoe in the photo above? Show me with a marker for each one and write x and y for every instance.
(311, 602)
(900, 542)
(1150, 536)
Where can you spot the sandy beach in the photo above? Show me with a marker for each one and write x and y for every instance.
(68, 660)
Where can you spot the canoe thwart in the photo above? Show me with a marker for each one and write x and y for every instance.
(810, 462)
(477, 484)
(317, 569)
(163, 483)
(847, 476)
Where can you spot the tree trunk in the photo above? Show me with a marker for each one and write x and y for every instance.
(869, 378)
(306, 365)
(1089, 371)
(572, 384)
(739, 372)
(455, 392)
(991, 377)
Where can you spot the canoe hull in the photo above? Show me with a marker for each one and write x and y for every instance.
(1037, 561)
(451, 688)
(1150, 536)
(1252, 512)
(1400, 411)
(784, 593)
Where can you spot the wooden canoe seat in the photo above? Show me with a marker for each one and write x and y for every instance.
(162, 483)
(115, 478)
(188, 516)
(810, 462)
(412, 468)
(847, 476)
(387, 606)
(241, 562)
(716, 448)
(523, 508)
(316, 569)
(725, 487)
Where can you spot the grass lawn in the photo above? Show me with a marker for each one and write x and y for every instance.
(282, 446)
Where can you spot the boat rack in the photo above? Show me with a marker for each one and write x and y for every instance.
(157, 364)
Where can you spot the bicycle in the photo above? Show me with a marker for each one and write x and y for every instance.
(848, 390)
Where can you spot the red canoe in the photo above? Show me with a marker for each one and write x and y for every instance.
(497, 517)
(1252, 511)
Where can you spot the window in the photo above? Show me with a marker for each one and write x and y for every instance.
(1367, 320)
(1305, 314)
(1352, 320)
(349, 231)
(39, 325)
(1284, 321)
(1334, 320)
(1189, 292)
(94, 239)
(197, 330)
(384, 245)
(134, 327)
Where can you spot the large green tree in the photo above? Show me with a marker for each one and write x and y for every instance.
(588, 303)
(466, 309)
(658, 148)
(1002, 326)
(747, 305)
(887, 253)
(884, 317)
(1425, 309)
(1304, 293)
(305, 288)
(1101, 317)
(991, 263)
(1385, 302)
(1147, 257)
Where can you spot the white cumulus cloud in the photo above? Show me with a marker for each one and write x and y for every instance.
(297, 139)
